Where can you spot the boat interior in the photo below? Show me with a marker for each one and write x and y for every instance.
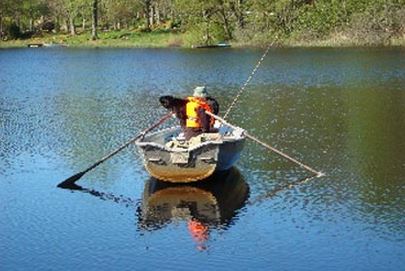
(173, 138)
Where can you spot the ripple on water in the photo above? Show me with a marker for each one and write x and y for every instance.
(63, 110)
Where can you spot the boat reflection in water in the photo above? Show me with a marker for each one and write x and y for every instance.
(211, 204)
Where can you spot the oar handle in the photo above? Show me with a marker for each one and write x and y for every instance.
(319, 174)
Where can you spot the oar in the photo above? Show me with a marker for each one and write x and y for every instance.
(70, 182)
(318, 173)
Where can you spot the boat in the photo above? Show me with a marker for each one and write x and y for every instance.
(169, 157)
(35, 45)
(219, 45)
(214, 202)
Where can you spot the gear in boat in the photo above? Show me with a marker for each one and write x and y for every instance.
(169, 157)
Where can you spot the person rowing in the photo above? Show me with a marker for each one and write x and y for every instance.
(191, 111)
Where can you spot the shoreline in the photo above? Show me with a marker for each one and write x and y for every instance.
(128, 39)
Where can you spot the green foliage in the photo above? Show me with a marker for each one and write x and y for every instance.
(207, 21)
(318, 20)
(197, 34)
(254, 22)
(13, 31)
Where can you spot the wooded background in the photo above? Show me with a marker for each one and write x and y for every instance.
(209, 21)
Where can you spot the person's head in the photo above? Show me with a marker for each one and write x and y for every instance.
(200, 92)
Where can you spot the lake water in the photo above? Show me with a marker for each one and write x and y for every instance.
(340, 111)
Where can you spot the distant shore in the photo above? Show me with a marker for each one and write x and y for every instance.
(133, 39)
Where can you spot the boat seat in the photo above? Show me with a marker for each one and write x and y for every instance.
(181, 143)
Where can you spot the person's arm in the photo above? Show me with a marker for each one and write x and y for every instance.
(204, 119)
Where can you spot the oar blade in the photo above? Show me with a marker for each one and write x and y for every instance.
(69, 183)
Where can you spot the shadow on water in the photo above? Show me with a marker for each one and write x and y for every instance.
(209, 204)
(213, 201)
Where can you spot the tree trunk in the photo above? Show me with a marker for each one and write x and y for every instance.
(64, 26)
(226, 23)
(164, 12)
(94, 20)
(146, 11)
(84, 24)
(227, 29)
(157, 13)
(56, 19)
(207, 36)
(151, 16)
(1, 28)
(238, 11)
(72, 26)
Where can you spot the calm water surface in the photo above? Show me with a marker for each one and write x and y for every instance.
(339, 111)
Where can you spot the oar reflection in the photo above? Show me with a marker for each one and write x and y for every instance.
(210, 204)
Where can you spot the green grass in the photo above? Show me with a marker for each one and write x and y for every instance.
(119, 39)
(164, 39)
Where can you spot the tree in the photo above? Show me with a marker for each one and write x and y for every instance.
(5, 11)
(94, 20)
(72, 10)
(121, 12)
(238, 8)
(208, 21)
(147, 4)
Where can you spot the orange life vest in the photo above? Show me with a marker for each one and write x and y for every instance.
(192, 106)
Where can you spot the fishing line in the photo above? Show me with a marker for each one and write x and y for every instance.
(248, 80)
(258, 64)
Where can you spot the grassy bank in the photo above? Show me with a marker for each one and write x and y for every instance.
(165, 39)
(110, 39)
